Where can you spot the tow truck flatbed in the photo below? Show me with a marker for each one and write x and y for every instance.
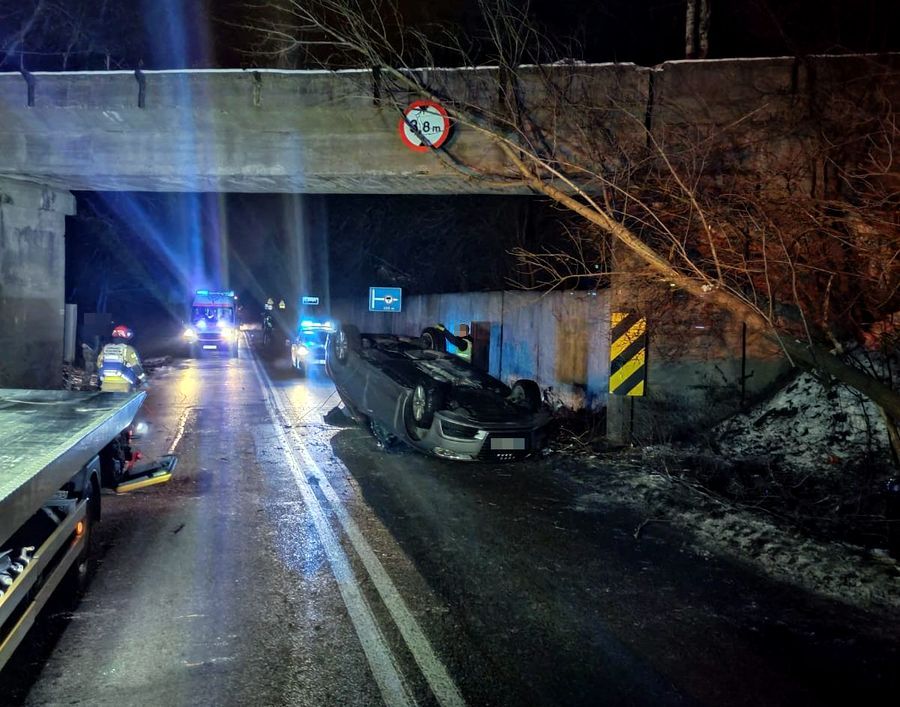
(44, 436)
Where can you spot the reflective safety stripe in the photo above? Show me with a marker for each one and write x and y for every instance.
(119, 369)
(114, 352)
(465, 355)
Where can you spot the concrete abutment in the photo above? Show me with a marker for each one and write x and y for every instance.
(32, 283)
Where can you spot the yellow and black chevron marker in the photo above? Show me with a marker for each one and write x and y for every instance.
(627, 354)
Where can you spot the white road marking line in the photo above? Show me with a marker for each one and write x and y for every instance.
(439, 680)
(381, 660)
(182, 422)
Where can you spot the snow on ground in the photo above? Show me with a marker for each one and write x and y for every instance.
(807, 427)
(793, 487)
(646, 483)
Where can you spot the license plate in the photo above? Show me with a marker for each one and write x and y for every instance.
(210, 347)
(508, 443)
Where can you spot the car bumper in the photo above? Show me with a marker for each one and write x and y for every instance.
(214, 342)
(453, 438)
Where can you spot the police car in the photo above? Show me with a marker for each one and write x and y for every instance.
(308, 345)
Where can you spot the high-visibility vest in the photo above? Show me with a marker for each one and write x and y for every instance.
(119, 367)
(465, 354)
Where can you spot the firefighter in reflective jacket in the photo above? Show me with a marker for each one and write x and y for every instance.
(462, 342)
(118, 365)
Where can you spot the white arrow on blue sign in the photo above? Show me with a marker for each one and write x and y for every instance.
(385, 299)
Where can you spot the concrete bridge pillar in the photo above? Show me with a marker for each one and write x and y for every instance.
(32, 283)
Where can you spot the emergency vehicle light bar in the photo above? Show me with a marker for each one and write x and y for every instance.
(228, 293)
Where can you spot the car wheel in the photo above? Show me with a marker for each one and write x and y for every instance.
(433, 339)
(423, 403)
(348, 339)
(112, 461)
(527, 394)
(385, 438)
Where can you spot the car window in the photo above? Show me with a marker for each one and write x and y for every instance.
(213, 314)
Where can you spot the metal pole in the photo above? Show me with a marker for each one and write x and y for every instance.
(70, 322)
(743, 362)
(631, 431)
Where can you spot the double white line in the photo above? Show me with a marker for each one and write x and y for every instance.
(390, 681)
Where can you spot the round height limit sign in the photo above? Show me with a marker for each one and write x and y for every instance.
(425, 125)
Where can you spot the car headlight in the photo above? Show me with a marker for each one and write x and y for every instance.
(190, 334)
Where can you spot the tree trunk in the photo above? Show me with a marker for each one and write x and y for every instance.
(703, 29)
(690, 26)
(806, 354)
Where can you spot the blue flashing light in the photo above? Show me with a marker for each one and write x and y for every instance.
(314, 325)
(202, 292)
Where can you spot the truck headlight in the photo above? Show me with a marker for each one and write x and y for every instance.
(189, 334)
(226, 330)
(302, 351)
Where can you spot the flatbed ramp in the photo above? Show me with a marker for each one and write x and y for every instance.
(46, 436)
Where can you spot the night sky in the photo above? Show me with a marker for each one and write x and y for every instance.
(208, 33)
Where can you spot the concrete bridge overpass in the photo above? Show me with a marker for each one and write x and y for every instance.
(203, 131)
(302, 131)
(249, 131)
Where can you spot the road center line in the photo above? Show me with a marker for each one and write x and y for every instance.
(439, 680)
(381, 660)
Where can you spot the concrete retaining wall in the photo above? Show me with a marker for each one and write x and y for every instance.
(695, 364)
(559, 339)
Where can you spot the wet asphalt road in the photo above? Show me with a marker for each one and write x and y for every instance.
(294, 563)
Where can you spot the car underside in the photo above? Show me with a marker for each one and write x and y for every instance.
(405, 391)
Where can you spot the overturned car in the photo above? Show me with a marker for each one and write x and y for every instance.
(409, 390)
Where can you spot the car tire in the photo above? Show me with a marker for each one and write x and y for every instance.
(527, 394)
(347, 340)
(433, 339)
(426, 399)
(113, 458)
(386, 439)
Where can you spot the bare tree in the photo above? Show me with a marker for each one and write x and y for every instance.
(68, 34)
(766, 258)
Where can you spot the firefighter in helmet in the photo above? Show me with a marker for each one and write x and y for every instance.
(118, 365)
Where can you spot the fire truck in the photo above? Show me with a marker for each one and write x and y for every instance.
(213, 324)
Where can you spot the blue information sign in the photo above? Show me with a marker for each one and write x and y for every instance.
(385, 299)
